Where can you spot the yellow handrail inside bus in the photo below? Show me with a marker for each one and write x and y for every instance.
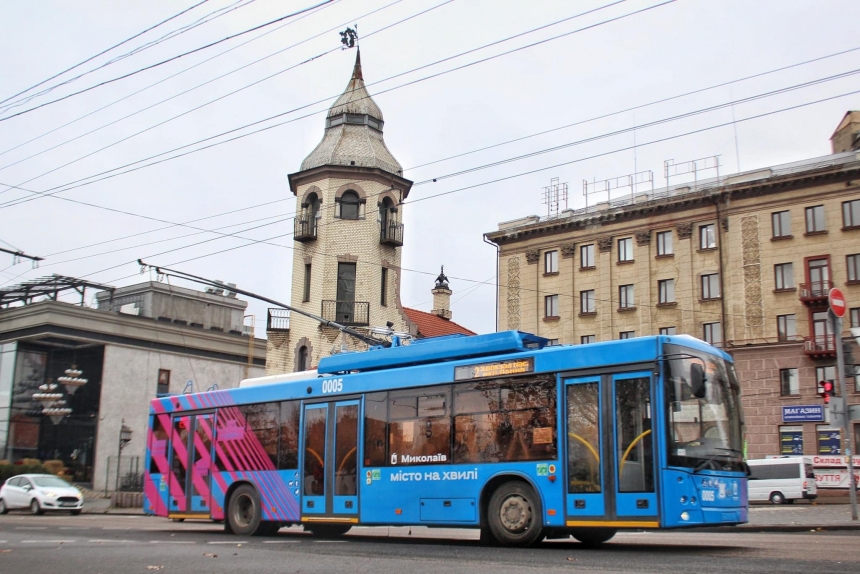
(345, 457)
(587, 445)
(313, 452)
(629, 448)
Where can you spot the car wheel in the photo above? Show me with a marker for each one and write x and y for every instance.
(35, 508)
(3, 509)
(777, 498)
(245, 512)
(514, 515)
(593, 537)
(76, 512)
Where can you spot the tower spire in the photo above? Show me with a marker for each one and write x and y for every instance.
(356, 71)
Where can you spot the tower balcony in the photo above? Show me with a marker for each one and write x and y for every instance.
(278, 320)
(820, 346)
(815, 294)
(305, 229)
(391, 234)
(352, 313)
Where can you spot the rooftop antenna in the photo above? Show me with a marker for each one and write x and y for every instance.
(694, 166)
(553, 195)
(607, 186)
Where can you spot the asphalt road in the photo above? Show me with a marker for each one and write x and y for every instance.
(131, 544)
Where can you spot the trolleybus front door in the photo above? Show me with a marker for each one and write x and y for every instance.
(190, 465)
(330, 462)
(610, 460)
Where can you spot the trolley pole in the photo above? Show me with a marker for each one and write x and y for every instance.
(836, 321)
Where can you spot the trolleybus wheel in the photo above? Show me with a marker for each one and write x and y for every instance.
(245, 513)
(514, 515)
(328, 530)
(777, 498)
(593, 537)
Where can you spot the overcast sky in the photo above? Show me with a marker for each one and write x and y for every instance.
(607, 61)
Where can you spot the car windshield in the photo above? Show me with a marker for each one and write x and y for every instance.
(50, 482)
(705, 425)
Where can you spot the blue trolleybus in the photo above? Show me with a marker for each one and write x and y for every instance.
(499, 432)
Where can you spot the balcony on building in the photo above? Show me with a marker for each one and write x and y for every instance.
(305, 229)
(820, 346)
(352, 313)
(814, 294)
(391, 234)
(278, 320)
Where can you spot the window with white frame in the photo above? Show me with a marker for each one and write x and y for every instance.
(586, 339)
(781, 221)
(852, 262)
(670, 331)
(708, 236)
(854, 316)
(783, 276)
(587, 302)
(711, 286)
(713, 333)
(586, 256)
(551, 306)
(664, 243)
(550, 262)
(666, 291)
(815, 222)
(626, 334)
(625, 249)
(851, 213)
(626, 299)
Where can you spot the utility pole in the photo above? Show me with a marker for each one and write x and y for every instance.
(836, 311)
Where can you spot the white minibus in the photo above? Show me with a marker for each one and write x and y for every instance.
(781, 480)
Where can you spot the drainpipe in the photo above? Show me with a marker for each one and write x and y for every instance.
(498, 255)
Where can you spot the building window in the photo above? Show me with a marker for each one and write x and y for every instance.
(791, 440)
(664, 243)
(851, 213)
(586, 339)
(815, 219)
(784, 276)
(669, 331)
(306, 290)
(383, 291)
(587, 303)
(550, 262)
(711, 286)
(551, 306)
(349, 205)
(626, 299)
(586, 256)
(666, 289)
(163, 381)
(713, 333)
(345, 310)
(854, 315)
(626, 334)
(625, 249)
(781, 223)
(856, 377)
(302, 359)
(552, 343)
(828, 440)
(786, 327)
(853, 264)
(789, 382)
(707, 236)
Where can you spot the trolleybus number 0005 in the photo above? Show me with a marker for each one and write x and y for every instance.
(332, 386)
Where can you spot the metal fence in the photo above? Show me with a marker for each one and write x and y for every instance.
(124, 474)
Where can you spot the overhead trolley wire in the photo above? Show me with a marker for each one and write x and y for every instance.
(171, 59)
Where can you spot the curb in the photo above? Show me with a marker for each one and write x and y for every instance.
(783, 528)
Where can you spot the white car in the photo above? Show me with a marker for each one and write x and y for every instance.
(40, 492)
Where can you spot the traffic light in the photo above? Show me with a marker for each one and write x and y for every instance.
(825, 390)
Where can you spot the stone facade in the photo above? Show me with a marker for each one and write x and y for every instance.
(742, 311)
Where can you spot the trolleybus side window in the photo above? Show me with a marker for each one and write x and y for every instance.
(315, 435)
(263, 420)
(583, 438)
(346, 468)
(288, 447)
(158, 446)
(419, 427)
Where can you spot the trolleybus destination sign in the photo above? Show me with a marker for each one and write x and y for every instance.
(494, 369)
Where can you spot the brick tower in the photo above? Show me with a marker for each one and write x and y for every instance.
(348, 235)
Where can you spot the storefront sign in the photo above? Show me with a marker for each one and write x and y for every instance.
(803, 414)
(791, 442)
(834, 478)
(828, 442)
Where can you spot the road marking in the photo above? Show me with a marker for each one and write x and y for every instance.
(172, 542)
(330, 541)
(76, 527)
(103, 540)
(47, 541)
(31, 528)
(282, 541)
(234, 543)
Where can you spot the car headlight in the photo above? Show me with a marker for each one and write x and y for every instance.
(51, 494)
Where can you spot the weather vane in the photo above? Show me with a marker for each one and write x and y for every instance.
(349, 37)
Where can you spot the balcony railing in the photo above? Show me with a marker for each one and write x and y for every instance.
(278, 320)
(815, 292)
(305, 229)
(820, 346)
(391, 234)
(346, 312)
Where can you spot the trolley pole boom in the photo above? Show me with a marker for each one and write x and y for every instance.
(325, 322)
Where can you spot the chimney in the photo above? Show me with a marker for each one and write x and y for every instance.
(442, 297)
(847, 134)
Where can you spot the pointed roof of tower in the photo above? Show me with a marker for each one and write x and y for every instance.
(353, 133)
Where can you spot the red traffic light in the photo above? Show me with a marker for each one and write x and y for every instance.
(825, 390)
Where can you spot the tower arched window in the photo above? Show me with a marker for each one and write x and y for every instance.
(349, 205)
(313, 206)
(302, 362)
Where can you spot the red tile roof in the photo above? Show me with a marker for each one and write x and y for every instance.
(430, 325)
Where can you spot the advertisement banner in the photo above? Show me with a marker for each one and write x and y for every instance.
(834, 478)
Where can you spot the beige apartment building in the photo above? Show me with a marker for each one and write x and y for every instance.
(744, 262)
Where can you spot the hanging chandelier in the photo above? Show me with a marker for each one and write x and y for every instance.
(72, 379)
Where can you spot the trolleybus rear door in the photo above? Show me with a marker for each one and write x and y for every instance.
(586, 495)
(190, 465)
(329, 465)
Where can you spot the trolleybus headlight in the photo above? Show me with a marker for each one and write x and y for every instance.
(685, 515)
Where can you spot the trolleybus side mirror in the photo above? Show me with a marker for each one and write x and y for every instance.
(697, 380)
